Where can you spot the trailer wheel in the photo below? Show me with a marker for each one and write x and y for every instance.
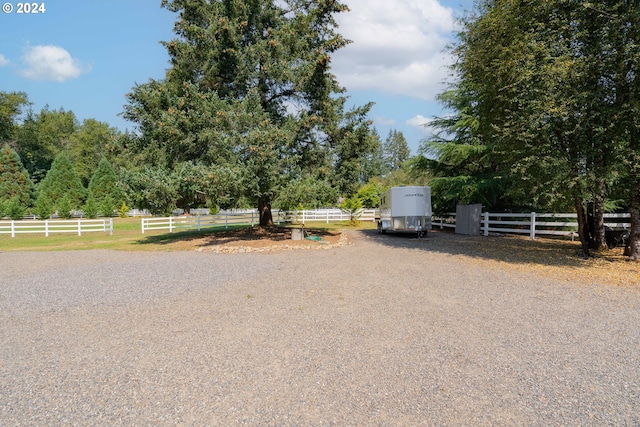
(380, 230)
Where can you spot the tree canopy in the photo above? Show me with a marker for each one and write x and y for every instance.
(15, 184)
(543, 102)
(250, 97)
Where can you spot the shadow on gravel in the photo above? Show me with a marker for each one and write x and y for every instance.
(509, 249)
(245, 235)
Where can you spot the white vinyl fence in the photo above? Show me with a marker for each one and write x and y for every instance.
(533, 224)
(199, 222)
(324, 215)
(50, 226)
(225, 220)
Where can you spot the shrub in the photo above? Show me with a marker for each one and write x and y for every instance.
(90, 208)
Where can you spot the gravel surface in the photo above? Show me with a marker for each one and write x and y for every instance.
(386, 331)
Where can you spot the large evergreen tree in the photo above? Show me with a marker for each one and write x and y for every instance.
(104, 188)
(87, 147)
(61, 188)
(548, 84)
(11, 104)
(42, 136)
(250, 97)
(396, 150)
(15, 184)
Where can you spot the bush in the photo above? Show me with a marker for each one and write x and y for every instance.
(90, 208)
(107, 206)
(64, 208)
(123, 210)
(14, 210)
(43, 208)
(353, 206)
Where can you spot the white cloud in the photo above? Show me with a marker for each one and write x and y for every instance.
(3, 61)
(419, 121)
(398, 46)
(422, 123)
(51, 63)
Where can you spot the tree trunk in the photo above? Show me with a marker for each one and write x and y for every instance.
(598, 233)
(634, 235)
(264, 209)
(582, 225)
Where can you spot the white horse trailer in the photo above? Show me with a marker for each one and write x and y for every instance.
(406, 209)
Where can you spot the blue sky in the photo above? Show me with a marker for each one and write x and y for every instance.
(85, 55)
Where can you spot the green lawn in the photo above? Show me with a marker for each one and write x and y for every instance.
(127, 236)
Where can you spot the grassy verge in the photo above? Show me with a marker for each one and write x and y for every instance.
(127, 236)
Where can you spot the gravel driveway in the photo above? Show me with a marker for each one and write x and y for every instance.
(382, 332)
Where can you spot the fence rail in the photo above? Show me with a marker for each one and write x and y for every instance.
(50, 226)
(199, 222)
(533, 224)
(224, 220)
(324, 215)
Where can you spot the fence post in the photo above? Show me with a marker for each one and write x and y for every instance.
(13, 228)
(110, 226)
(486, 224)
(46, 228)
(198, 222)
(142, 225)
(532, 233)
(252, 220)
(170, 224)
(226, 220)
(79, 228)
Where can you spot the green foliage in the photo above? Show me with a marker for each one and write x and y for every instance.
(42, 137)
(14, 209)
(64, 207)
(11, 104)
(353, 206)
(43, 208)
(90, 208)
(151, 189)
(396, 151)
(122, 212)
(105, 188)
(87, 146)
(107, 206)
(370, 193)
(354, 142)
(62, 188)
(224, 112)
(15, 183)
(307, 193)
(544, 105)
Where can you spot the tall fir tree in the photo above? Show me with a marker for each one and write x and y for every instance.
(250, 96)
(396, 150)
(15, 184)
(61, 188)
(104, 188)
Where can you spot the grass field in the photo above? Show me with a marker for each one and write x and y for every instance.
(127, 236)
